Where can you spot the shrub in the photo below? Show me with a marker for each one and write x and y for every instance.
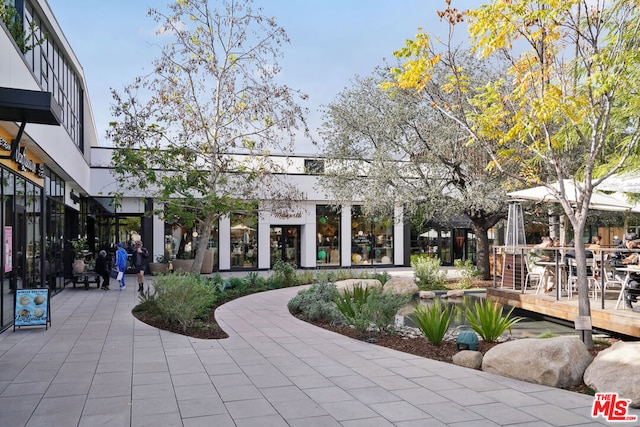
(383, 277)
(468, 271)
(284, 275)
(370, 306)
(316, 303)
(382, 307)
(428, 274)
(433, 320)
(305, 277)
(486, 318)
(182, 299)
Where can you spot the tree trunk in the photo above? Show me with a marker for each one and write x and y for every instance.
(584, 305)
(482, 250)
(203, 241)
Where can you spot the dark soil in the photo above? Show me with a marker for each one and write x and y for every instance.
(419, 346)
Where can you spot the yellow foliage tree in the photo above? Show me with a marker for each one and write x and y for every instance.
(567, 107)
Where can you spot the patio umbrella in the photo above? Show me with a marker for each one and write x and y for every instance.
(599, 200)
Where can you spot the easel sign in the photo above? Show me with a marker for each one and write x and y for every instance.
(32, 308)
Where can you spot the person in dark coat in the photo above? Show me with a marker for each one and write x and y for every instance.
(102, 268)
(140, 255)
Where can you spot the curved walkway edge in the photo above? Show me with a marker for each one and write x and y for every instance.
(98, 365)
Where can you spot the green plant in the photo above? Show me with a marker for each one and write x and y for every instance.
(163, 259)
(182, 299)
(25, 39)
(284, 275)
(468, 272)
(383, 277)
(79, 245)
(370, 306)
(428, 274)
(305, 277)
(349, 305)
(433, 320)
(486, 318)
(382, 308)
(316, 303)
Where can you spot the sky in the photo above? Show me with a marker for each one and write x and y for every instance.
(332, 41)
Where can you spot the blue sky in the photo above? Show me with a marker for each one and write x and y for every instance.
(331, 42)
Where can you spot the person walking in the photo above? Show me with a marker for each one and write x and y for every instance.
(140, 255)
(103, 269)
(121, 263)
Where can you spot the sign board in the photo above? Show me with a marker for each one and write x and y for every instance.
(583, 323)
(32, 308)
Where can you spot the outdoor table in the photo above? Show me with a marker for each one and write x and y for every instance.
(628, 270)
(552, 268)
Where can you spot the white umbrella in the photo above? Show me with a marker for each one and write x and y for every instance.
(599, 200)
(241, 227)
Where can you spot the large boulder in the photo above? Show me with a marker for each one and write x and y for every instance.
(346, 286)
(556, 362)
(617, 370)
(401, 285)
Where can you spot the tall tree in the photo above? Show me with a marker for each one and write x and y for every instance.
(211, 96)
(399, 151)
(567, 108)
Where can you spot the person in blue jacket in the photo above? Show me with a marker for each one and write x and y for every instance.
(121, 263)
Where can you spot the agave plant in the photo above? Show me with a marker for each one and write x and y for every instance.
(487, 320)
(433, 320)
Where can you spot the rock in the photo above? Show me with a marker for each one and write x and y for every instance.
(617, 370)
(401, 285)
(426, 294)
(468, 359)
(347, 285)
(556, 362)
(455, 293)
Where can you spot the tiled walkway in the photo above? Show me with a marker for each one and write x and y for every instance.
(97, 365)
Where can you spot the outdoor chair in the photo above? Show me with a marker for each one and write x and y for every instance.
(533, 273)
(611, 279)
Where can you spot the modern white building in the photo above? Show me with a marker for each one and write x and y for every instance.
(56, 184)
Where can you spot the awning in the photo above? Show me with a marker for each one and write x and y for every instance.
(599, 200)
(29, 106)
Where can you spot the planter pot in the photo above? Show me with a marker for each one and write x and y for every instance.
(157, 268)
(182, 265)
(78, 266)
(207, 264)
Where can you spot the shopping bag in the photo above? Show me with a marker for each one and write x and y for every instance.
(113, 273)
(119, 277)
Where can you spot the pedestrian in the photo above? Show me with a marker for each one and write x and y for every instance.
(121, 263)
(140, 255)
(103, 269)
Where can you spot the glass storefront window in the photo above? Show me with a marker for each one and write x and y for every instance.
(371, 239)
(328, 235)
(244, 241)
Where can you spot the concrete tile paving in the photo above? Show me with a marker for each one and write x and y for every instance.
(98, 365)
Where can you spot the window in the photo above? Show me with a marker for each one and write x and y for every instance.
(313, 166)
(328, 235)
(371, 239)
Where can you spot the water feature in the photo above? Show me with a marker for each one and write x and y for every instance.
(532, 325)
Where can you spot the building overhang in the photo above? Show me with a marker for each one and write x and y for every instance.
(29, 106)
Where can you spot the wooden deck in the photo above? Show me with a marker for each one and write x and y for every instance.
(620, 321)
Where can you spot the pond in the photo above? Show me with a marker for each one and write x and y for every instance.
(532, 325)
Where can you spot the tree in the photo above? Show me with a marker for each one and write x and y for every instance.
(411, 155)
(567, 109)
(212, 96)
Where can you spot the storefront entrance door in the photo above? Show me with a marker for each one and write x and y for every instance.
(19, 259)
(285, 244)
